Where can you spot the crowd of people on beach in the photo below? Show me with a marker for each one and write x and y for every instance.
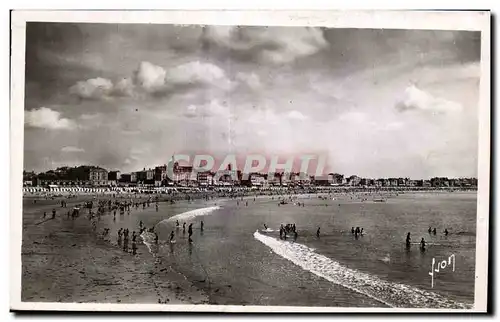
(126, 239)
(287, 229)
(124, 203)
(291, 229)
(422, 241)
(357, 232)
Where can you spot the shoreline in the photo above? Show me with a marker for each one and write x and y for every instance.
(235, 192)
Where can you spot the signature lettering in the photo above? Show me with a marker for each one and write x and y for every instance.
(442, 265)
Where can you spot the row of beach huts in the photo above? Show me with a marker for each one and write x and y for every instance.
(88, 190)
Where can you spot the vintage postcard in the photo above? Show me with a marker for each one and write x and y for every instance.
(250, 161)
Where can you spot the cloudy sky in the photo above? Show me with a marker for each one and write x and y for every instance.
(377, 103)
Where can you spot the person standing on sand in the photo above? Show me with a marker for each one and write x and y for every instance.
(434, 231)
(317, 232)
(125, 243)
(201, 225)
(190, 232)
(134, 245)
(429, 230)
(44, 214)
(125, 240)
(422, 245)
(172, 235)
(446, 232)
(53, 213)
(184, 228)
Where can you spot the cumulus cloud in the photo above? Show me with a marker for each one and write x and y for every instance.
(152, 79)
(277, 45)
(213, 108)
(124, 87)
(72, 149)
(198, 72)
(95, 88)
(252, 80)
(296, 115)
(417, 99)
(46, 118)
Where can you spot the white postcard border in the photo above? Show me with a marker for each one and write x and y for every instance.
(444, 20)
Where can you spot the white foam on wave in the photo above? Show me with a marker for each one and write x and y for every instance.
(188, 215)
(148, 239)
(391, 294)
(386, 259)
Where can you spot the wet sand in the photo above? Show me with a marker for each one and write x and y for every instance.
(63, 260)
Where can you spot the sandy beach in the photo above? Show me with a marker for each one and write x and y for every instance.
(64, 260)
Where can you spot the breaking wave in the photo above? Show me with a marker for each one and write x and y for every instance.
(392, 294)
(188, 215)
(149, 240)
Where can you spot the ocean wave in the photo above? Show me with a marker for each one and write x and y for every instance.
(391, 294)
(149, 240)
(188, 215)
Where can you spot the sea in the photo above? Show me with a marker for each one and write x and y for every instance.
(237, 261)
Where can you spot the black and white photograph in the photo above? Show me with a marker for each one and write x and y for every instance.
(250, 164)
